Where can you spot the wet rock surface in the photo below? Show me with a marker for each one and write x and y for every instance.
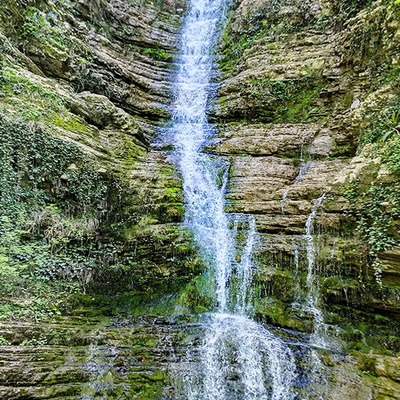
(301, 81)
(143, 356)
(296, 71)
(300, 90)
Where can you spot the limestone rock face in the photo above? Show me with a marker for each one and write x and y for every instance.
(91, 80)
(300, 109)
(118, 49)
(262, 140)
(305, 76)
(304, 89)
(304, 98)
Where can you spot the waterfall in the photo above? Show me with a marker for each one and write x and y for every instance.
(302, 171)
(240, 359)
(295, 248)
(244, 271)
(312, 287)
(204, 199)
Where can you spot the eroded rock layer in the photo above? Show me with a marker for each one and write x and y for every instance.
(308, 109)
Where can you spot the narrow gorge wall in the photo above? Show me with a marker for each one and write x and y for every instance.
(309, 106)
(86, 194)
(90, 205)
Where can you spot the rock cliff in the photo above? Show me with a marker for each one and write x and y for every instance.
(307, 108)
(89, 83)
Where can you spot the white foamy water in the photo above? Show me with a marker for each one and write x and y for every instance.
(204, 199)
(240, 359)
(312, 305)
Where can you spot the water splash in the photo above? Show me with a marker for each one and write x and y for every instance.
(239, 358)
(244, 271)
(262, 366)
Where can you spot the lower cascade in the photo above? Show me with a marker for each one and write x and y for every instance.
(262, 366)
(239, 358)
(312, 289)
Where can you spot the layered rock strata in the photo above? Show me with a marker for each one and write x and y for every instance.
(302, 111)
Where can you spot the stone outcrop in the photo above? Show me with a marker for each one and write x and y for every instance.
(305, 79)
(91, 82)
(84, 89)
(303, 85)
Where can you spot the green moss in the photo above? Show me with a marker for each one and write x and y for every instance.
(272, 311)
(48, 230)
(280, 100)
(365, 331)
(342, 151)
(233, 51)
(71, 123)
(155, 53)
(13, 82)
(130, 152)
(4, 341)
(197, 296)
(55, 51)
(43, 28)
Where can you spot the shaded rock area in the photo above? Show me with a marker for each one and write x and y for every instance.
(85, 358)
(145, 356)
(95, 75)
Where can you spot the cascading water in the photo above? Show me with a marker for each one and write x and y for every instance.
(302, 171)
(244, 271)
(240, 359)
(204, 199)
(312, 287)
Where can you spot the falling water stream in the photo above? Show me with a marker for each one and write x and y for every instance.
(312, 305)
(240, 359)
(304, 168)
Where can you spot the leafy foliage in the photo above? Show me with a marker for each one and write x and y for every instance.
(385, 135)
(345, 9)
(377, 204)
(377, 211)
(45, 208)
(33, 163)
(60, 233)
(378, 218)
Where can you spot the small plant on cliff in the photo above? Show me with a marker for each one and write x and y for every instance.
(284, 101)
(4, 341)
(376, 204)
(386, 126)
(377, 211)
(45, 219)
